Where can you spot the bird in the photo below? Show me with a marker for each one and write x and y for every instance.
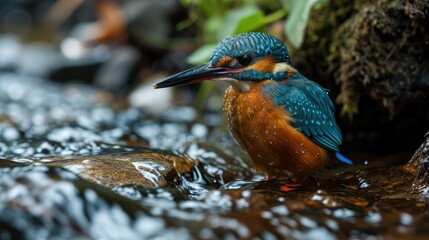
(284, 121)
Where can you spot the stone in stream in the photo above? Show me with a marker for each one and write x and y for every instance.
(419, 167)
(148, 168)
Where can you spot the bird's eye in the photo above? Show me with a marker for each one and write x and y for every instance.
(245, 60)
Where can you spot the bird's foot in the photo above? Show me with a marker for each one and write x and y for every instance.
(289, 187)
(285, 184)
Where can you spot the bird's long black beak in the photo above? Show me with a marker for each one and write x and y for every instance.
(193, 75)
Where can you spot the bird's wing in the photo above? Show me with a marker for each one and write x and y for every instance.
(311, 109)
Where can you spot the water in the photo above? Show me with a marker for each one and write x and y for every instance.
(75, 165)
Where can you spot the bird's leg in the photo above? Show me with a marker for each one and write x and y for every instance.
(285, 187)
(289, 187)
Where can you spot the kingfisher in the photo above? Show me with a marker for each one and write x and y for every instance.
(284, 121)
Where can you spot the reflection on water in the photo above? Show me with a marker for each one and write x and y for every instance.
(71, 166)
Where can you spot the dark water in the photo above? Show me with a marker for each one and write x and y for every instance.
(75, 162)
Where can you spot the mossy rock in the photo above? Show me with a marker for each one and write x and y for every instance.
(374, 57)
(383, 52)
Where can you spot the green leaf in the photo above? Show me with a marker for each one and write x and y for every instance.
(211, 29)
(241, 20)
(201, 55)
(297, 20)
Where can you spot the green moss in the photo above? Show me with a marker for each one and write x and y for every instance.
(373, 49)
(379, 53)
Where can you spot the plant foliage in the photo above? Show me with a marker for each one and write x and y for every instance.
(217, 19)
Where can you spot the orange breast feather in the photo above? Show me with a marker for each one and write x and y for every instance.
(275, 147)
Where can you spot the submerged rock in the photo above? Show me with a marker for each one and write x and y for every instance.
(148, 168)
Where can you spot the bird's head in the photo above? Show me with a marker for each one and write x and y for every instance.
(242, 60)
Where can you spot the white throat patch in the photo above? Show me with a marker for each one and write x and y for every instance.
(241, 86)
(284, 67)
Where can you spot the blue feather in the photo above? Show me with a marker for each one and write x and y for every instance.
(261, 44)
(343, 158)
(314, 115)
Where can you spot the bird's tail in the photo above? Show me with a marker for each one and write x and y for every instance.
(343, 158)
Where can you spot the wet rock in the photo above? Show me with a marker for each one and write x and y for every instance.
(419, 167)
(146, 168)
